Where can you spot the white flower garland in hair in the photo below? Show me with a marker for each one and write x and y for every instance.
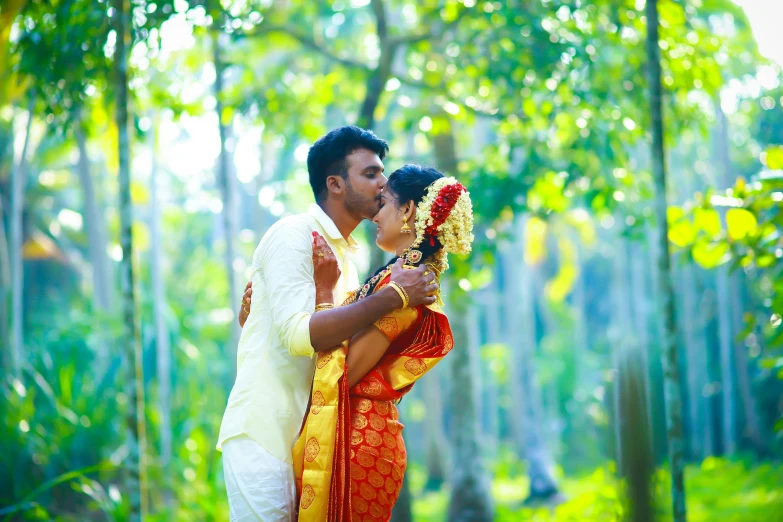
(455, 233)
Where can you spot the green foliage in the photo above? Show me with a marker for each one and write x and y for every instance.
(717, 490)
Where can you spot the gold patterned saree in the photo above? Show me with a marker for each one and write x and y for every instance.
(350, 457)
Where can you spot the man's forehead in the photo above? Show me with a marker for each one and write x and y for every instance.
(364, 158)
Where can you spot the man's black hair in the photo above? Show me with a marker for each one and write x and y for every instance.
(327, 156)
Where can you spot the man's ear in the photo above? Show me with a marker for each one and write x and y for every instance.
(335, 185)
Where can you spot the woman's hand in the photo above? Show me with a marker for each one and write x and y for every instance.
(244, 308)
(326, 272)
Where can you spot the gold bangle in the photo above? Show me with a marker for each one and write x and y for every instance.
(323, 306)
(401, 291)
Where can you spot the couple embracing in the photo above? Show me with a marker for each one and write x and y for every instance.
(311, 431)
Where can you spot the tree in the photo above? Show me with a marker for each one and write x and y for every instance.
(470, 500)
(226, 178)
(18, 186)
(666, 291)
(135, 467)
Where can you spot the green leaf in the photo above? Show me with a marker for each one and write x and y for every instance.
(774, 158)
(535, 244)
(710, 255)
(682, 233)
(707, 220)
(741, 223)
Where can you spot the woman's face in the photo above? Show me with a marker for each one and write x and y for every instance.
(389, 221)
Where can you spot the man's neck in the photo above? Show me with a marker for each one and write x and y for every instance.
(345, 222)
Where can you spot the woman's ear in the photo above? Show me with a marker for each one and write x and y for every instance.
(409, 210)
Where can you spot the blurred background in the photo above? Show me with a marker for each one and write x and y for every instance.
(553, 401)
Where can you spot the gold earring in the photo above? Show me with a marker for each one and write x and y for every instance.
(405, 228)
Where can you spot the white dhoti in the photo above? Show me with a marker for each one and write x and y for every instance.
(261, 488)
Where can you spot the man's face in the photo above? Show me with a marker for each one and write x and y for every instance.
(364, 183)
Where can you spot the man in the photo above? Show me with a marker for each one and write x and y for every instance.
(275, 360)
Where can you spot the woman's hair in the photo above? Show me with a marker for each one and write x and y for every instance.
(409, 183)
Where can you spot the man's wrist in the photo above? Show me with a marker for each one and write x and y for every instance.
(390, 298)
(324, 297)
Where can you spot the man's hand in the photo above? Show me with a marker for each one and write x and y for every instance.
(417, 282)
(244, 308)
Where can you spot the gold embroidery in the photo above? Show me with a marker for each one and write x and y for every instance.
(359, 504)
(354, 486)
(312, 449)
(323, 360)
(388, 325)
(415, 366)
(367, 492)
(358, 473)
(356, 437)
(382, 407)
(308, 495)
(364, 405)
(393, 426)
(377, 422)
(318, 403)
(371, 388)
(375, 479)
(359, 421)
(448, 344)
(373, 439)
(390, 441)
(387, 454)
(383, 466)
(375, 510)
(372, 451)
(365, 459)
(400, 456)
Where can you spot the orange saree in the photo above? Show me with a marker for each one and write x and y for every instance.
(350, 458)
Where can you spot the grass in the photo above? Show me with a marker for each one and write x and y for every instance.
(717, 490)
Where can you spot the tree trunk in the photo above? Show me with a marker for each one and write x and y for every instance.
(18, 184)
(752, 427)
(539, 461)
(5, 286)
(374, 87)
(226, 180)
(693, 350)
(494, 310)
(728, 417)
(470, 499)
(635, 439)
(433, 432)
(135, 467)
(619, 341)
(641, 314)
(513, 298)
(96, 233)
(671, 372)
(162, 344)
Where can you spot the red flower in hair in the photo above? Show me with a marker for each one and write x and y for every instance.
(442, 206)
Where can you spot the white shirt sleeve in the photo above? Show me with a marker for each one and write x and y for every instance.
(287, 268)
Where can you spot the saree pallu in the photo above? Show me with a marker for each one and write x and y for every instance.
(350, 458)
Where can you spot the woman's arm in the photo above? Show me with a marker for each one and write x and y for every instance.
(366, 349)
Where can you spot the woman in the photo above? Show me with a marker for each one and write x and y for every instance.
(350, 457)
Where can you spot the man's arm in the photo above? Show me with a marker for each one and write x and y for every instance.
(287, 269)
(331, 327)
